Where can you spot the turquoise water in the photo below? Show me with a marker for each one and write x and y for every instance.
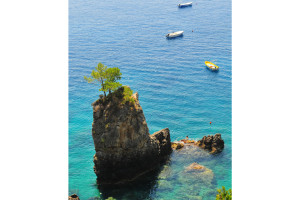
(175, 88)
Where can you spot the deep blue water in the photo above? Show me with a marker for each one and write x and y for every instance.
(175, 89)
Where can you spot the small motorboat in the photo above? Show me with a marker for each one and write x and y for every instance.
(211, 66)
(175, 34)
(181, 5)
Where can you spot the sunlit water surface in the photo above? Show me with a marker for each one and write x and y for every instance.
(175, 88)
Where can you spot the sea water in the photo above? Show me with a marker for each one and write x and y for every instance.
(175, 88)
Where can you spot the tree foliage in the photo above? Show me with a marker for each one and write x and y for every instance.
(224, 194)
(112, 76)
(107, 78)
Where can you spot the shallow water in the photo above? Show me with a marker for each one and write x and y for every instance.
(175, 89)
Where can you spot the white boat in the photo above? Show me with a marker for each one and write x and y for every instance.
(175, 34)
(185, 4)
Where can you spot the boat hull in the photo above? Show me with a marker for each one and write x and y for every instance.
(175, 34)
(211, 66)
(185, 5)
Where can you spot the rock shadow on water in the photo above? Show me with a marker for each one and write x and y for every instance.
(141, 188)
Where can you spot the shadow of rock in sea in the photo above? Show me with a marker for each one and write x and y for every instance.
(174, 179)
(141, 188)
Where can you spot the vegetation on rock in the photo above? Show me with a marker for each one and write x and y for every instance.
(106, 77)
(127, 93)
(224, 194)
(111, 198)
(123, 93)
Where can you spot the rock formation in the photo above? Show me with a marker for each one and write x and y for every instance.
(124, 147)
(185, 141)
(176, 145)
(73, 197)
(214, 144)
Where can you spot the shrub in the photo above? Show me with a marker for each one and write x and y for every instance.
(127, 92)
(110, 198)
(224, 194)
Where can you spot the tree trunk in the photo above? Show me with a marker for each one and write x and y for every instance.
(102, 84)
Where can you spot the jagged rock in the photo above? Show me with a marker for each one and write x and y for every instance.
(214, 144)
(124, 147)
(176, 145)
(73, 197)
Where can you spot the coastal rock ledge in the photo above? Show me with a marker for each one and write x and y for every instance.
(213, 143)
(124, 148)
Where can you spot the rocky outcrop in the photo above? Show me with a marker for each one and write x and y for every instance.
(73, 197)
(124, 148)
(176, 145)
(214, 144)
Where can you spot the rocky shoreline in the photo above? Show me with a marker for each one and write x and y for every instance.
(212, 143)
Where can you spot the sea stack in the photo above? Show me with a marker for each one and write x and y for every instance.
(124, 148)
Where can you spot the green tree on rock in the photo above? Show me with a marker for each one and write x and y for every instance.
(106, 77)
(112, 76)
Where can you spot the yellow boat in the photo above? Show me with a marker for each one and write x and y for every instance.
(211, 66)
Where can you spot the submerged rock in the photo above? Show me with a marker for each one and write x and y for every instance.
(193, 197)
(166, 172)
(196, 167)
(214, 144)
(164, 185)
(124, 148)
(199, 172)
